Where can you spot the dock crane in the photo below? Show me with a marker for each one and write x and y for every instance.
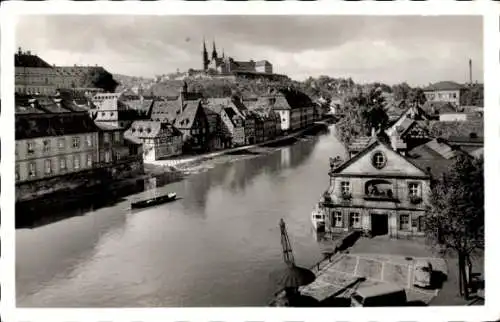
(294, 276)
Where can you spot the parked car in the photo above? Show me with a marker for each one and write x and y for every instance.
(423, 273)
(379, 295)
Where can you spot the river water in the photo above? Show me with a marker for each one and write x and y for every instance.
(217, 246)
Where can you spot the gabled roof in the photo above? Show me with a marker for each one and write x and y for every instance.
(262, 63)
(186, 119)
(371, 147)
(443, 86)
(434, 156)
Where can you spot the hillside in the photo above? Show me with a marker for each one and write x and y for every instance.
(128, 82)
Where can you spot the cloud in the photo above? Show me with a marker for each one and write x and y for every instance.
(416, 49)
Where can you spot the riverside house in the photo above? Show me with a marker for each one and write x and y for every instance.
(385, 188)
(296, 110)
(188, 116)
(112, 144)
(159, 139)
(377, 190)
(51, 141)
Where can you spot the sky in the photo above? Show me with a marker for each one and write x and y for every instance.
(416, 49)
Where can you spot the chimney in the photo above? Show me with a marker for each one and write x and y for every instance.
(19, 51)
(397, 143)
(29, 52)
(470, 71)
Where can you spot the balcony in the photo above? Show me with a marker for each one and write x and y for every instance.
(379, 190)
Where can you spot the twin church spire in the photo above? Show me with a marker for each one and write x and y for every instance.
(206, 60)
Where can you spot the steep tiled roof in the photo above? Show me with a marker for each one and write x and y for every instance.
(150, 129)
(25, 60)
(443, 86)
(434, 156)
(165, 110)
(43, 125)
(262, 63)
(188, 115)
(361, 143)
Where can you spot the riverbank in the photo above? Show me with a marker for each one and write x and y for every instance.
(65, 204)
(194, 164)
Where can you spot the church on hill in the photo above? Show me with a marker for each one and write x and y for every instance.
(227, 65)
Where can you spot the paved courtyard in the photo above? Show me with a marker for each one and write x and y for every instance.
(377, 269)
(379, 260)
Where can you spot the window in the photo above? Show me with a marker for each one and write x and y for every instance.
(32, 169)
(345, 187)
(378, 160)
(404, 222)
(62, 164)
(48, 167)
(46, 145)
(355, 220)
(31, 147)
(17, 172)
(337, 219)
(89, 140)
(16, 149)
(117, 156)
(414, 189)
(117, 136)
(89, 160)
(107, 156)
(61, 143)
(76, 163)
(106, 137)
(76, 142)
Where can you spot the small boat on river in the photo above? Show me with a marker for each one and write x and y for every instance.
(154, 201)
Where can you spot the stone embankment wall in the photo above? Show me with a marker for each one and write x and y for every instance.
(82, 180)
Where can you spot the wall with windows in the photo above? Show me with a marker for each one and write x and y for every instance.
(52, 156)
(31, 80)
(452, 96)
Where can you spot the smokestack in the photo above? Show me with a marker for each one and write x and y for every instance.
(470, 71)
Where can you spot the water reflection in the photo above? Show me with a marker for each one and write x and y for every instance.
(215, 247)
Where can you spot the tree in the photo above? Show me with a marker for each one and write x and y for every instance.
(416, 96)
(456, 216)
(401, 91)
(100, 78)
(363, 111)
(473, 96)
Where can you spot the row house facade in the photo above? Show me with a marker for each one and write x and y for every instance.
(188, 116)
(112, 144)
(50, 144)
(159, 139)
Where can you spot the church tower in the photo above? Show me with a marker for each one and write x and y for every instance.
(205, 56)
(214, 52)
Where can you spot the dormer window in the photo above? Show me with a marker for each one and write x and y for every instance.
(378, 160)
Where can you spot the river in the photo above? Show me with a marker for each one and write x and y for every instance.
(217, 246)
